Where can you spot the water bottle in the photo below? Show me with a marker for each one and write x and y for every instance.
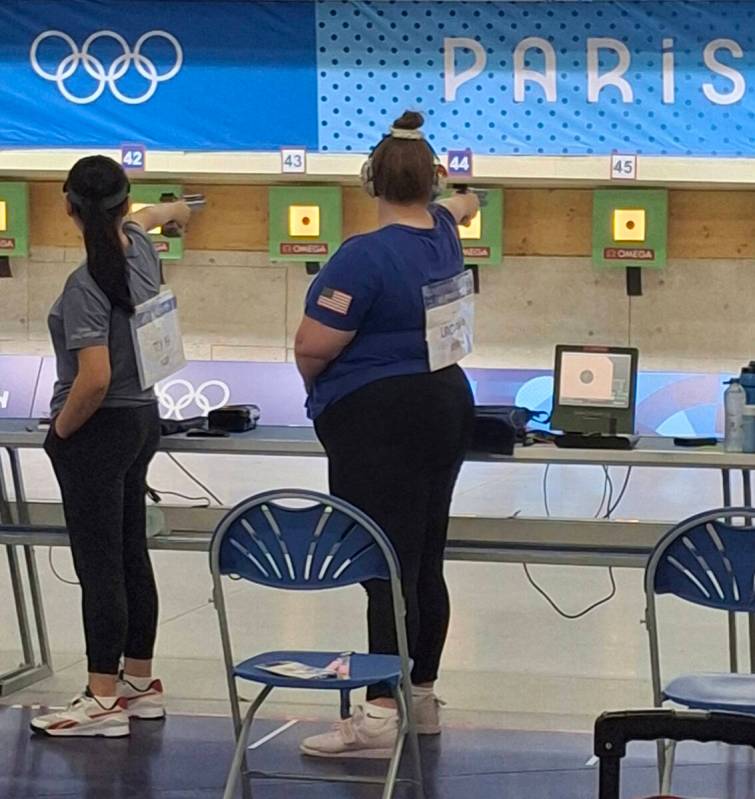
(748, 429)
(735, 400)
(747, 379)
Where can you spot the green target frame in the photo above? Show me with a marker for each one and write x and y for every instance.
(630, 228)
(295, 212)
(487, 248)
(14, 219)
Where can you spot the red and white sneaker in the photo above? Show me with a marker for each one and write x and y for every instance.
(86, 716)
(148, 703)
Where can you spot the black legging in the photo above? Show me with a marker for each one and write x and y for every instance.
(394, 449)
(102, 470)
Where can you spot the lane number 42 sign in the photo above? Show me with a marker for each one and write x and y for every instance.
(133, 157)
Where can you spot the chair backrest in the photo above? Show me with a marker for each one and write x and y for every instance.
(324, 543)
(707, 561)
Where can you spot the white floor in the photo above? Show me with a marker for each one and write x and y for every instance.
(510, 660)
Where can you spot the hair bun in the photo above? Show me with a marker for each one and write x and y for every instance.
(409, 120)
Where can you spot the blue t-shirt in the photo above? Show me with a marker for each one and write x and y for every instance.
(373, 284)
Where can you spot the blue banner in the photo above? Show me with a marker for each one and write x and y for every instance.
(668, 403)
(173, 74)
(662, 77)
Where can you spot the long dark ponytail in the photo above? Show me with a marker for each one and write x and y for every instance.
(97, 188)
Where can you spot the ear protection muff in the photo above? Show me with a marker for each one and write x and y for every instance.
(441, 178)
(367, 174)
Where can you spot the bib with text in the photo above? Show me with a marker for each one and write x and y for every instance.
(449, 320)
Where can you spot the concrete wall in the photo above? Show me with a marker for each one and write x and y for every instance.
(694, 316)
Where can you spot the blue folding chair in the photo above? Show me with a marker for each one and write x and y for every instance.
(320, 542)
(708, 561)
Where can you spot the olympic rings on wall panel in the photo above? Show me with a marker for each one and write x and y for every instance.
(108, 78)
(177, 395)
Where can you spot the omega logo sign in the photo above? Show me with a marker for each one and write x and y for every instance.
(628, 254)
(596, 81)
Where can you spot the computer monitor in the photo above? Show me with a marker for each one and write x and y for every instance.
(595, 389)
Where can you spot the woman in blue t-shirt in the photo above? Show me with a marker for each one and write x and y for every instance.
(394, 430)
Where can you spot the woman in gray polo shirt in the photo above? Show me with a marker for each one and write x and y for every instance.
(104, 433)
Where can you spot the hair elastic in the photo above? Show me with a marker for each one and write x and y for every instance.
(403, 133)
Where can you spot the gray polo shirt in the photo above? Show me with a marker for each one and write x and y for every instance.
(83, 317)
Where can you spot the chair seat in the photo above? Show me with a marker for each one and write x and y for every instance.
(365, 670)
(734, 692)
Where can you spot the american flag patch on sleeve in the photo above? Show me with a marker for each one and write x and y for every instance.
(333, 300)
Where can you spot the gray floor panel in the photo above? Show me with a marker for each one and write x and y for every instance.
(186, 758)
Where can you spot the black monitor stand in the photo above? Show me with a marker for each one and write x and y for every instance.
(610, 440)
(596, 441)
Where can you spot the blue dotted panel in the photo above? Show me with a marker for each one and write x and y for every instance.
(377, 59)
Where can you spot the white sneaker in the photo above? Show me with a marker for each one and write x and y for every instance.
(146, 704)
(85, 717)
(362, 735)
(427, 713)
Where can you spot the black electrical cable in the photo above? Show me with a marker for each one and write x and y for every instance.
(194, 479)
(603, 498)
(159, 492)
(55, 571)
(609, 481)
(545, 489)
(607, 501)
(612, 508)
(607, 491)
(582, 613)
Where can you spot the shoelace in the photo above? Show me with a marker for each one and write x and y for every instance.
(72, 705)
(77, 700)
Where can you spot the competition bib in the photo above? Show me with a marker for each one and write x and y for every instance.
(157, 339)
(449, 320)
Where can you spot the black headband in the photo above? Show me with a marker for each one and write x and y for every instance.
(106, 203)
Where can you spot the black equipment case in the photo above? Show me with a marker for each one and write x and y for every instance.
(613, 731)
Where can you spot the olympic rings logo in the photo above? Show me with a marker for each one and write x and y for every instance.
(175, 403)
(108, 78)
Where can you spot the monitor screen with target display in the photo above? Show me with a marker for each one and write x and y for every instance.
(595, 389)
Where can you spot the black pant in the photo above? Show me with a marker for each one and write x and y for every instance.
(102, 472)
(395, 448)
